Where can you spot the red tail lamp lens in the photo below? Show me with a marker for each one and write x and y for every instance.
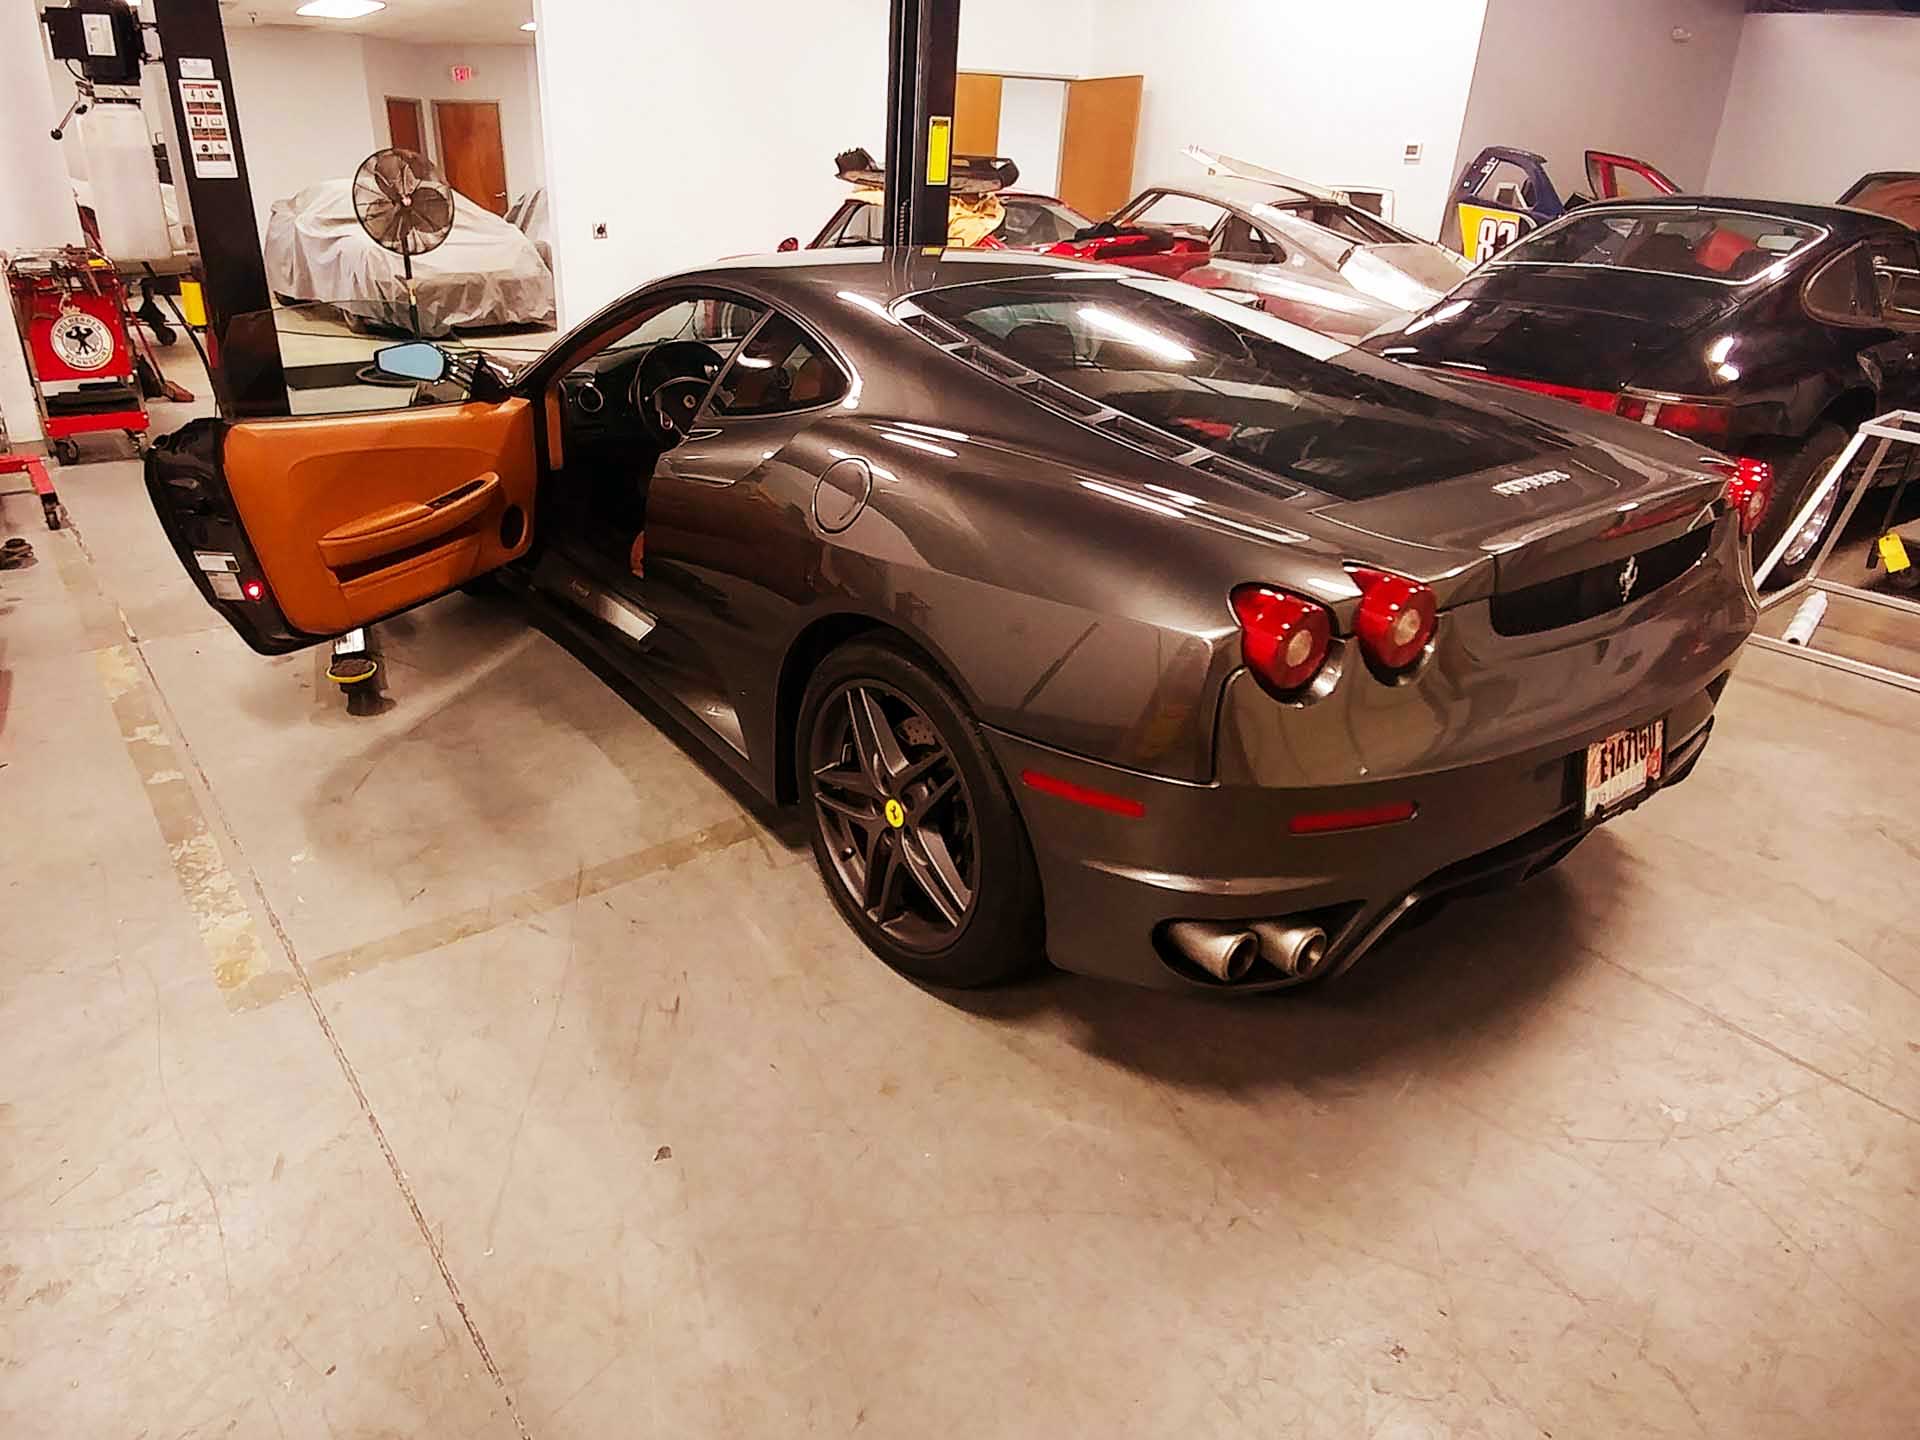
(1283, 638)
(1705, 419)
(1749, 493)
(1396, 618)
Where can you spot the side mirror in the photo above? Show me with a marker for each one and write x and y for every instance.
(416, 360)
(788, 244)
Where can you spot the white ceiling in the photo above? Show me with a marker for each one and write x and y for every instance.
(419, 22)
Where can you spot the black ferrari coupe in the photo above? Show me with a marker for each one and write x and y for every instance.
(1761, 329)
(1088, 613)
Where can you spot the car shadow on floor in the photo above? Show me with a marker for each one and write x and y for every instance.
(1435, 997)
(786, 823)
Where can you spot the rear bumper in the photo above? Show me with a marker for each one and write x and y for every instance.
(1224, 851)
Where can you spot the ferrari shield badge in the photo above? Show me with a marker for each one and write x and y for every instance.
(81, 341)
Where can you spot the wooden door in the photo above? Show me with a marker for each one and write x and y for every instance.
(1096, 153)
(404, 127)
(471, 155)
(976, 114)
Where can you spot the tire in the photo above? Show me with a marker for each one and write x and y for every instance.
(955, 898)
(1797, 469)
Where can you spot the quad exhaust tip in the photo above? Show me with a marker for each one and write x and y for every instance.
(1226, 949)
(1294, 950)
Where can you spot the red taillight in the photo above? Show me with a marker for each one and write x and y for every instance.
(1592, 399)
(1396, 618)
(1703, 419)
(1749, 493)
(1283, 638)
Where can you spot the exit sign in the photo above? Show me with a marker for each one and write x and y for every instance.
(461, 74)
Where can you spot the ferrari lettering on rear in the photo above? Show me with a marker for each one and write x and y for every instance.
(1524, 483)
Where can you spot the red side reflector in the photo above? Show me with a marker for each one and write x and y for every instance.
(1082, 794)
(253, 589)
(1321, 821)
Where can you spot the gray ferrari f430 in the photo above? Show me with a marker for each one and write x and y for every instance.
(1088, 614)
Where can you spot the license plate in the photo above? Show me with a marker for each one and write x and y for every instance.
(1622, 765)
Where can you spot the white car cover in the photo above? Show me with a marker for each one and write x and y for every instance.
(530, 214)
(485, 273)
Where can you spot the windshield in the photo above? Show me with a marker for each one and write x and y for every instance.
(1729, 246)
(1237, 381)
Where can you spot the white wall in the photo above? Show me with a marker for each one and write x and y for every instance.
(1328, 92)
(302, 98)
(1816, 102)
(1020, 37)
(501, 73)
(1561, 77)
(36, 200)
(696, 131)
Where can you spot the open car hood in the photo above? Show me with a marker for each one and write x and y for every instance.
(1893, 193)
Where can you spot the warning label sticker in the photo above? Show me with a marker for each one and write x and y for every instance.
(209, 131)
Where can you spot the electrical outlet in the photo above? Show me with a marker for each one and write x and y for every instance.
(599, 229)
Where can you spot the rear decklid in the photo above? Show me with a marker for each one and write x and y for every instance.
(1554, 514)
(1554, 324)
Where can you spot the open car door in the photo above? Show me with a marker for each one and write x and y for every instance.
(1502, 194)
(1621, 177)
(299, 530)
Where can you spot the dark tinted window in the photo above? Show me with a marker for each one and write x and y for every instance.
(1701, 244)
(1841, 293)
(780, 369)
(1349, 425)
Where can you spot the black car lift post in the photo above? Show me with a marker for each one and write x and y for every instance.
(923, 50)
(243, 348)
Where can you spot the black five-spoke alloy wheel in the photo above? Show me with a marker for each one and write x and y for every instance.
(915, 833)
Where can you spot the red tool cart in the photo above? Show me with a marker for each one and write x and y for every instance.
(71, 306)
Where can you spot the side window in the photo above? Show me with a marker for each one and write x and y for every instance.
(1180, 211)
(1895, 267)
(713, 321)
(1239, 239)
(863, 227)
(1840, 294)
(780, 369)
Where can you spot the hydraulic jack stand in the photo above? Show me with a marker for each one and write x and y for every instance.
(354, 669)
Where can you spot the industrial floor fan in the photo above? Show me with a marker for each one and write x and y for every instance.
(404, 206)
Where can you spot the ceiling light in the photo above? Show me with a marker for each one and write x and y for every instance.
(527, 26)
(340, 9)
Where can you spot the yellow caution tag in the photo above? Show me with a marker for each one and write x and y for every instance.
(939, 148)
(193, 304)
(1485, 230)
(1893, 554)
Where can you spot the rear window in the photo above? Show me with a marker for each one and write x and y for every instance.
(1728, 246)
(1238, 382)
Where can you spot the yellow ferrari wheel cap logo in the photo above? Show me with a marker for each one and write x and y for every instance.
(896, 814)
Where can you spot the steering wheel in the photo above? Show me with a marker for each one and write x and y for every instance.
(669, 385)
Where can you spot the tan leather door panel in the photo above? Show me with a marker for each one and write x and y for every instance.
(354, 517)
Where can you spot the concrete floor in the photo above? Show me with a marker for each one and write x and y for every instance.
(490, 1067)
